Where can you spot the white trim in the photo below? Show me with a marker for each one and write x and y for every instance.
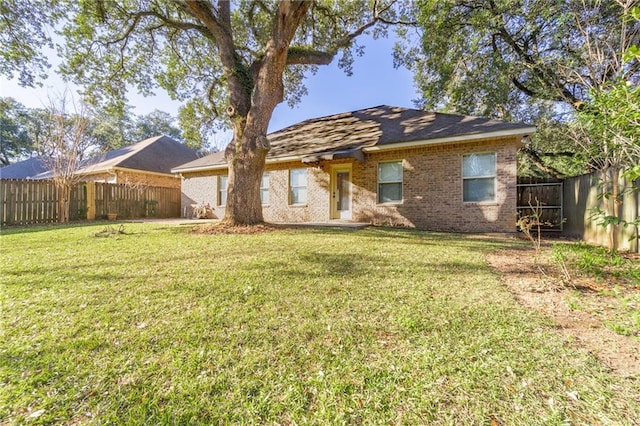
(225, 166)
(401, 182)
(494, 177)
(219, 202)
(334, 213)
(113, 170)
(464, 138)
(306, 186)
(268, 188)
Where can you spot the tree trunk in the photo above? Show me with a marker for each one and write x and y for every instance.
(64, 203)
(254, 91)
(246, 161)
(614, 176)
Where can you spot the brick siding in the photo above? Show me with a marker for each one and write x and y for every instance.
(133, 178)
(432, 190)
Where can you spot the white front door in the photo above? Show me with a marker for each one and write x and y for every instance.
(341, 192)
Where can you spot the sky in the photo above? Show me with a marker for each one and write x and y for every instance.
(374, 82)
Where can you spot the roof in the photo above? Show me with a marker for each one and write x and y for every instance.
(371, 129)
(24, 169)
(215, 159)
(158, 154)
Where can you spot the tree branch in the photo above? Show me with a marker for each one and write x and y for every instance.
(538, 162)
(302, 56)
(239, 79)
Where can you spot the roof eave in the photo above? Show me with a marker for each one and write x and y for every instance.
(224, 166)
(452, 139)
(423, 142)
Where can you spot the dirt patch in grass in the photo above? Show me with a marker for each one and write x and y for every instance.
(226, 229)
(581, 308)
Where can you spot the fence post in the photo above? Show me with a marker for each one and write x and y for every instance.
(91, 200)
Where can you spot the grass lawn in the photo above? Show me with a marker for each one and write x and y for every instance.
(301, 326)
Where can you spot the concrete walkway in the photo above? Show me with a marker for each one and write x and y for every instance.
(185, 221)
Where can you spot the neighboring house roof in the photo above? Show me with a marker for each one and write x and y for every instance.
(24, 169)
(383, 127)
(158, 154)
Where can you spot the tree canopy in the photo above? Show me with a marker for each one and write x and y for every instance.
(14, 137)
(228, 62)
(535, 61)
(24, 131)
(514, 58)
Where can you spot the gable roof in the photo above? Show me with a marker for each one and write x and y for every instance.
(372, 129)
(158, 154)
(24, 169)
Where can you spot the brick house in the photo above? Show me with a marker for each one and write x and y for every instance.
(147, 163)
(383, 165)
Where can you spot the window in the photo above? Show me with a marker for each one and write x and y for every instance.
(222, 190)
(298, 186)
(390, 182)
(479, 177)
(264, 189)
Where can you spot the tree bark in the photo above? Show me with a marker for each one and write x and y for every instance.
(64, 203)
(247, 153)
(246, 161)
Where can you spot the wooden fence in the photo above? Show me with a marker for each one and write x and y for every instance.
(545, 194)
(26, 202)
(582, 195)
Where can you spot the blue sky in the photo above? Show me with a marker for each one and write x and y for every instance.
(374, 82)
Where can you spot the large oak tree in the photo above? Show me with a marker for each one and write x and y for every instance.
(228, 61)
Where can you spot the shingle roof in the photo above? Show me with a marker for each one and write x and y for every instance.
(158, 154)
(381, 126)
(24, 169)
(215, 159)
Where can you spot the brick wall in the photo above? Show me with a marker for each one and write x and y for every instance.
(201, 188)
(432, 190)
(128, 177)
(279, 208)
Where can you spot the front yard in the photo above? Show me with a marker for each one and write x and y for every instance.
(298, 326)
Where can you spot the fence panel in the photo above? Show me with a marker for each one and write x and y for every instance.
(582, 194)
(544, 194)
(131, 202)
(26, 202)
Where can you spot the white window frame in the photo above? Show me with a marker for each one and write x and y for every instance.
(264, 189)
(494, 177)
(401, 182)
(306, 186)
(222, 189)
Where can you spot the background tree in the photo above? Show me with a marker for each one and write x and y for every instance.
(15, 142)
(232, 62)
(25, 34)
(154, 124)
(608, 133)
(66, 142)
(112, 126)
(520, 60)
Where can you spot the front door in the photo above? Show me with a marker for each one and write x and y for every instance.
(341, 192)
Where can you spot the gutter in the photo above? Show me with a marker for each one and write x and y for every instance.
(181, 170)
(113, 170)
(451, 139)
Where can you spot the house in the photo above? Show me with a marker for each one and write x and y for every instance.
(25, 169)
(383, 165)
(148, 162)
